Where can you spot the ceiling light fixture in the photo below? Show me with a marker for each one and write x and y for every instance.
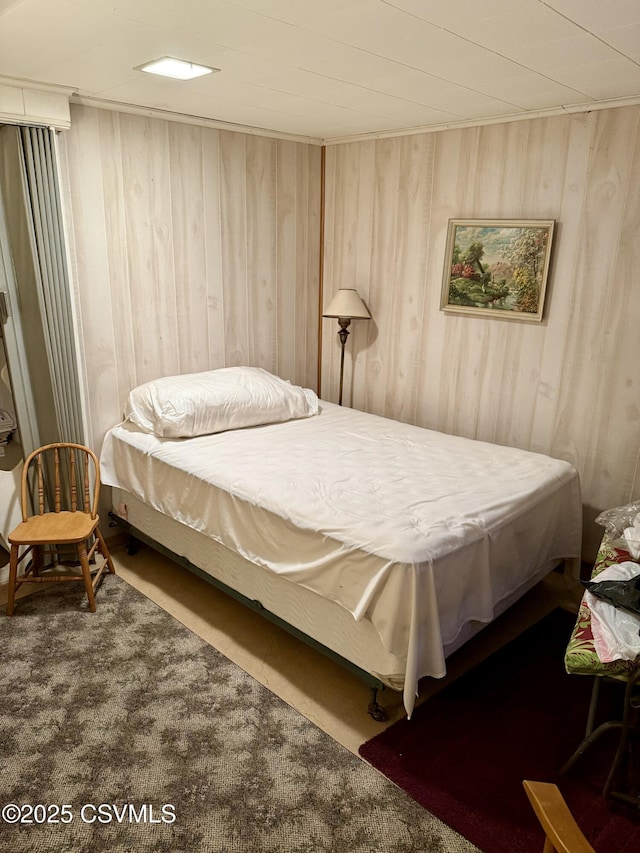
(179, 69)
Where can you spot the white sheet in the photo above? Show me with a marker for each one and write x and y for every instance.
(415, 530)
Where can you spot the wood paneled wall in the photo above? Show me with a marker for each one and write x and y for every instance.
(192, 248)
(196, 248)
(570, 386)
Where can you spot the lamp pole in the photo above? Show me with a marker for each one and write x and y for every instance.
(343, 334)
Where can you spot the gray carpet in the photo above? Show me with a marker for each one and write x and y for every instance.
(154, 742)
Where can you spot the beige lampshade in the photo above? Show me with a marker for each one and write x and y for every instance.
(347, 303)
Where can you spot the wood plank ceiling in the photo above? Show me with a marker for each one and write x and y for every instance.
(334, 69)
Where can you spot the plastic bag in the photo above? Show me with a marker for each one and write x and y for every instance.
(622, 524)
(616, 633)
(622, 594)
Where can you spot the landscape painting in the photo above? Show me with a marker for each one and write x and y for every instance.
(497, 268)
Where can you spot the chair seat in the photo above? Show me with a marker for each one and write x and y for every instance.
(60, 527)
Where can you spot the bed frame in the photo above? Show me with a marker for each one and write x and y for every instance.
(317, 621)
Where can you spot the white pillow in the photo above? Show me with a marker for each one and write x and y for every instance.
(217, 400)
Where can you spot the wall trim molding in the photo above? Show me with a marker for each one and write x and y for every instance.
(570, 109)
(183, 118)
(48, 104)
(323, 171)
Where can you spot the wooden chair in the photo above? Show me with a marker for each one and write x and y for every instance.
(54, 477)
(563, 835)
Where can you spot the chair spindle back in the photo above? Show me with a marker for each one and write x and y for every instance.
(71, 487)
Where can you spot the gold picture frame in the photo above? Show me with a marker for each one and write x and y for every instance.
(497, 268)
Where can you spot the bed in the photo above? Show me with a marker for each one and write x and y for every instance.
(386, 544)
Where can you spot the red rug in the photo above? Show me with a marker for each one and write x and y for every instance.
(516, 716)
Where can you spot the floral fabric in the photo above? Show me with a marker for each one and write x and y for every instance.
(581, 657)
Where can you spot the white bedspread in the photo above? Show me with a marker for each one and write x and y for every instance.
(418, 531)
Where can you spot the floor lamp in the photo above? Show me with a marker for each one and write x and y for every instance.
(346, 306)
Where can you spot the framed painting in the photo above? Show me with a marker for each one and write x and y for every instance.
(497, 268)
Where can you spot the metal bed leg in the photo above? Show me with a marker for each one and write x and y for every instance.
(376, 710)
(133, 542)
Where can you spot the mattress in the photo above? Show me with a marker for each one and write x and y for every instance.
(417, 532)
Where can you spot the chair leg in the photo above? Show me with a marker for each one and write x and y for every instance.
(13, 574)
(626, 726)
(593, 706)
(102, 547)
(86, 574)
(592, 733)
